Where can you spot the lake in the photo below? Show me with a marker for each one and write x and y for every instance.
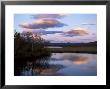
(61, 64)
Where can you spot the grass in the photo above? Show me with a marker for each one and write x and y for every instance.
(88, 49)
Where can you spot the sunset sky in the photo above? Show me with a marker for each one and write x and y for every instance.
(59, 28)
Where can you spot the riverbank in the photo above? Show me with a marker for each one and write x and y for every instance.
(74, 50)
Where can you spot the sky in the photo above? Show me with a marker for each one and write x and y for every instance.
(59, 28)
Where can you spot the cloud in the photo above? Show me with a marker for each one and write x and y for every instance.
(43, 24)
(40, 32)
(88, 24)
(59, 38)
(40, 16)
(76, 35)
(49, 32)
(77, 32)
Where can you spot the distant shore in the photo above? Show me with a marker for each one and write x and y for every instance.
(82, 49)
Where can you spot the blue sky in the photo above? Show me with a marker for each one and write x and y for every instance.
(78, 24)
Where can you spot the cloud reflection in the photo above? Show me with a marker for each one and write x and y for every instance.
(73, 59)
(81, 60)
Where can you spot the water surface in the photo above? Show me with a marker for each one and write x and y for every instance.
(62, 64)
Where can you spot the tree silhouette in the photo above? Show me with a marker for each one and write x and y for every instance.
(29, 45)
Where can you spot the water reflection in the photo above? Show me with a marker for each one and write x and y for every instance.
(60, 64)
(81, 60)
(37, 67)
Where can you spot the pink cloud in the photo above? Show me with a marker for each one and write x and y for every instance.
(40, 16)
(42, 24)
(77, 32)
(81, 35)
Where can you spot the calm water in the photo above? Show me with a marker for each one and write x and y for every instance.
(62, 64)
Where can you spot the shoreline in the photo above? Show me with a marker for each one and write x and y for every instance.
(92, 50)
(73, 52)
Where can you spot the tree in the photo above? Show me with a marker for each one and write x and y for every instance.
(29, 45)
